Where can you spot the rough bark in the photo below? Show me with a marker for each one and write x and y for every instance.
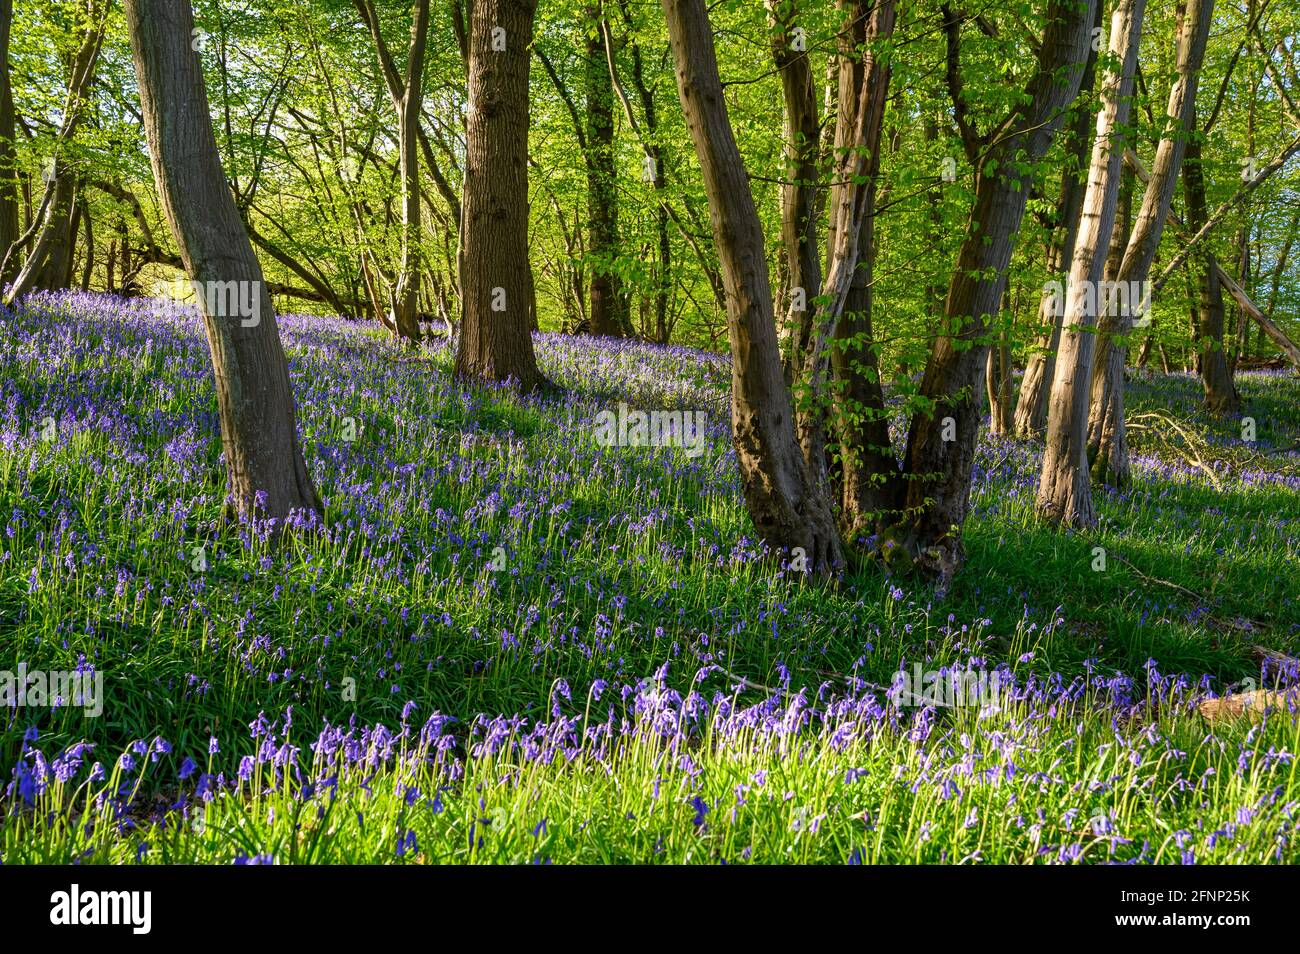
(939, 471)
(264, 464)
(1064, 491)
(496, 278)
(787, 507)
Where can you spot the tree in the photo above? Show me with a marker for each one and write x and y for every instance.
(495, 275)
(1107, 441)
(48, 264)
(264, 464)
(939, 469)
(407, 94)
(608, 312)
(1031, 404)
(788, 508)
(1064, 492)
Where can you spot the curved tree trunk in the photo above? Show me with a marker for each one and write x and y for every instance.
(8, 167)
(788, 508)
(264, 463)
(495, 275)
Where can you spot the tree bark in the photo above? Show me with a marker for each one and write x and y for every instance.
(1064, 492)
(264, 464)
(799, 194)
(788, 509)
(495, 275)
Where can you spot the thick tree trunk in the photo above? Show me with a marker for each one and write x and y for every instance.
(1031, 404)
(1064, 492)
(788, 509)
(264, 463)
(1107, 442)
(608, 305)
(1216, 380)
(495, 275)
(939, 470)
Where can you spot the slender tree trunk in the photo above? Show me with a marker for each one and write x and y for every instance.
(495, 275)
(8, 161)
(871, 487)
(1212, 362)
(1064, 492)
(789, 510)
(264, 463)
(939, 470)
(60, 187)
(1031, 405)
(407, 95)
(1107, 441)
(799, 194)
(608, 305)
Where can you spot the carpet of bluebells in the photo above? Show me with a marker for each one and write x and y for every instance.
(504, 642)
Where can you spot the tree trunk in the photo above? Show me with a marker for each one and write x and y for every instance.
(52, 240)
(1064, 492)
(495, 275)
(799, 194)
(1107, 441)
(871, 487)
(407, 95)
(264, 463)
(1216, 380)
(608, 305)
(1031, 405)
(939, 470)
(8, 160)
(789, 511)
